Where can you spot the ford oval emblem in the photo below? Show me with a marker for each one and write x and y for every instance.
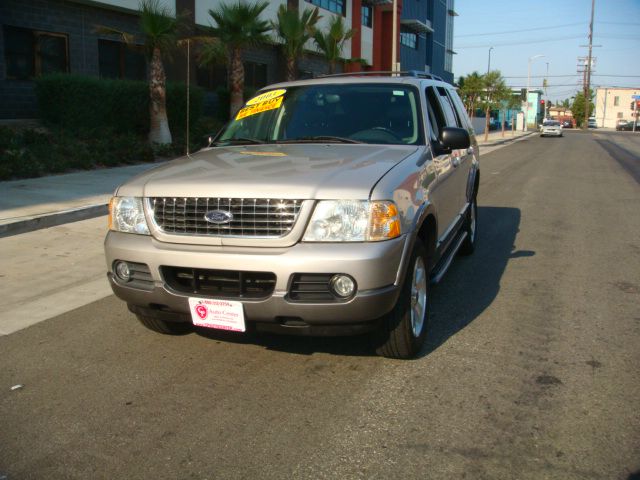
(218, 217)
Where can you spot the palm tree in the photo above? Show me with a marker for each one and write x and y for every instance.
(331, 42)
(238, 26)
(294, 30)
(159, 34)
(495, 91)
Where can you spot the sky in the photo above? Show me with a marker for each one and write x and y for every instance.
(518, 30)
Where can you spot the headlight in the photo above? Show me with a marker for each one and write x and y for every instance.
(353, 221)
(126, 214)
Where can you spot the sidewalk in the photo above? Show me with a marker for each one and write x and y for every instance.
(31, 204)
(34, 203)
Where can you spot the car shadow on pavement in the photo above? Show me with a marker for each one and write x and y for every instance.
(473, 282)
(468, 288)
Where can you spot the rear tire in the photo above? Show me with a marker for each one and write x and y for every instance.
(404, 329)
(471, 227)
(164, 327)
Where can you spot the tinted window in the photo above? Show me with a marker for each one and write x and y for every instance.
(117, 60)
(448, 108)
(29, 53)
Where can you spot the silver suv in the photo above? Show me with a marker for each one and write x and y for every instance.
(324, 207)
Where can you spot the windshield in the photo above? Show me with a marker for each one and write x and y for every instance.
(551, 123)
(353, 113)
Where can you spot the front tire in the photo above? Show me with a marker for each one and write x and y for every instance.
(404, 329)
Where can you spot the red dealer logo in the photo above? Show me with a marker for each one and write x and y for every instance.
(201, 310)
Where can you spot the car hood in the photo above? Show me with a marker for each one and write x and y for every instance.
(300, 171)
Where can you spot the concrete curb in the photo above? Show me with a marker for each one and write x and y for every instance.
(53, 219)
(502, 141)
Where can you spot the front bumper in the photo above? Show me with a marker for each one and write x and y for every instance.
(375, 267)
(551, 133)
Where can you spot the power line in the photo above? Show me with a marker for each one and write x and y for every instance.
(574, 75)
(524, 42)
(519, 31)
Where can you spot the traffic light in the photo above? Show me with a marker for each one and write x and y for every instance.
(636, 104)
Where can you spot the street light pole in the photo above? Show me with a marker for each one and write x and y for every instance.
(526, 107)
(489, 63)
(394, 37)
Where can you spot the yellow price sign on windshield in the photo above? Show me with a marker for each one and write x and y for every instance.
(259, 108)
(262, 103)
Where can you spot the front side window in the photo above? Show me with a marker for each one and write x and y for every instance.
(353, 113)
(30, 53)
(335, 6)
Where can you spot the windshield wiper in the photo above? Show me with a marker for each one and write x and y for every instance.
(319, 138)
(239, 141)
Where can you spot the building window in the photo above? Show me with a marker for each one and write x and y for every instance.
(335, 6)
(409, 39)
(619, 113)
(367, 16)
(117, 60)
(210, 77)
(255, 74)
(616, 101)
(29, 53)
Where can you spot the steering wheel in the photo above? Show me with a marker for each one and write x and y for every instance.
(377, 134)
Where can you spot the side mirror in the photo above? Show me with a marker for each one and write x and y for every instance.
(454, 138)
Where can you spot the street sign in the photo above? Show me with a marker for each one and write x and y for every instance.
(635, 97)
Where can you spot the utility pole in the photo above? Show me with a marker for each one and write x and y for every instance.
(587, 97)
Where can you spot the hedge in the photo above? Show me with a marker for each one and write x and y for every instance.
(88, 104)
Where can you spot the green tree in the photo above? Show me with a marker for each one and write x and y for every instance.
(294, 30)
(471, 89)
(494, 93)
(238, 26)
(159, 36)
(578, 107)
(330, 43)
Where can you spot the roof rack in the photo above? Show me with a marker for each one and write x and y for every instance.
(405, 73)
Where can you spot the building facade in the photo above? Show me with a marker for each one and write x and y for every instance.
(45, 36)
(613, 104)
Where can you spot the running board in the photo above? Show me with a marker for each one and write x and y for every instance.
(443, 265)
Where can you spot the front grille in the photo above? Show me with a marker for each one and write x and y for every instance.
(311, 287)
(219, 283)
(251, 217)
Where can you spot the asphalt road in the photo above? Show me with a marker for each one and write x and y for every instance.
(532, 369)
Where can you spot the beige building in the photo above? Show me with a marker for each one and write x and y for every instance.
(613, 104)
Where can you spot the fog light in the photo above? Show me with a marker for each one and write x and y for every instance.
(342, 285)
(122, 271)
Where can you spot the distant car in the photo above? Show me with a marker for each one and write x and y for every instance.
(567, 124)
(551, 128)
(592, 123)
(624, 125)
